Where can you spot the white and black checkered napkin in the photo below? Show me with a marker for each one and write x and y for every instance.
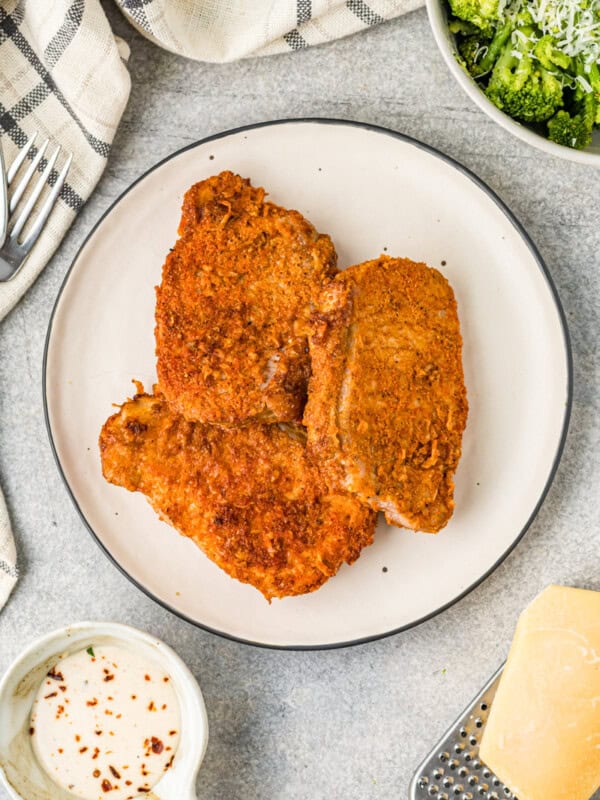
(225, 30)
(8, 556)
(63, 74)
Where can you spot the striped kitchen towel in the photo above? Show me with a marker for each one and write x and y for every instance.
(63, 74)
(225, 30)
(8, 555)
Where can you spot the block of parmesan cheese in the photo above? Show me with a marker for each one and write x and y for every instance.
(542, 738)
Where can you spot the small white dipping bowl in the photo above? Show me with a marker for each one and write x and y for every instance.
(20, 772)
(436, 10)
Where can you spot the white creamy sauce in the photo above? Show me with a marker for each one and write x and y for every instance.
(105, 723)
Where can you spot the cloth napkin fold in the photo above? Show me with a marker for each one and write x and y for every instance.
(63, 74)
(225, 30)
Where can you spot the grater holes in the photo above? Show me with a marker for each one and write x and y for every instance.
(438, 773)
(507, 791)
(473, 741)
(469, 756)
(473, 780)
(444, 756)
(493, 796)
(463, 772)
(484, 706)
(482, 790)
(467, 796)
(458, 748)
(476, 764)
(442, 796)
(423, 782)
(478, 722)
(453, 764)
(458, 788)
(487, 773)
(496, 782)
(448, 781)
(463, 733)
(432, 791)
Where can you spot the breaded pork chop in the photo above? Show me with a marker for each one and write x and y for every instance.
(233, 308)
(387, 401)
(247, 496)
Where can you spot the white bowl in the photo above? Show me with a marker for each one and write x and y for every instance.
(436, 10)
(19, 770)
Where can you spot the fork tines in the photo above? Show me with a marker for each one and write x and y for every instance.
(14, 251)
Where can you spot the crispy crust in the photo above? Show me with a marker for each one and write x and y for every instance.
(387, 401)
(233, 308)
(248, 497)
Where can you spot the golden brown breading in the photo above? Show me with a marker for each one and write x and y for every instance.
(248, 496)
(387, 401)
(233, 308)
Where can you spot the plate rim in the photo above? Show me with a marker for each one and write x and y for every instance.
(531, 246)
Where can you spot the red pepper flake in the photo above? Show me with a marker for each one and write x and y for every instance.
(62, 688)
(56, 676)
(164, 705)
(108, 678)
(166, 679)
(157, 745)
(77, 737)
(83, 749)
(52, 694)
(147, 678)
(106, 785)
(93, 702)
(151, 706)
(134, 696)
(96, 773)
(60, 750)
(172, 733)
(118, 716)
(108, 711)
(170, 762)
(96, 753)
(143, 789)
(127, 783)
(60, 710)
(98, 733)
(114, 772)
(31, 731)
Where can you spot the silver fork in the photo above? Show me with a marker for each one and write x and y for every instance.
(13, 250)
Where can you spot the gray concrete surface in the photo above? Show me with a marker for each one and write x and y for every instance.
(351, 723)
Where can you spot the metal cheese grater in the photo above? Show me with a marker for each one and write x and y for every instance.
(453, 769)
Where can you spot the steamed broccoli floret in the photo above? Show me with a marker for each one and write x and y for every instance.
(575, 129)
(482, 13)
(549, 57)
(471, 50)
(570, 131)
(520, 86)
(594, 79)
(479, 53)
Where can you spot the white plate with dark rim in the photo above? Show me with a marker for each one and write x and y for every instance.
(373, 191)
